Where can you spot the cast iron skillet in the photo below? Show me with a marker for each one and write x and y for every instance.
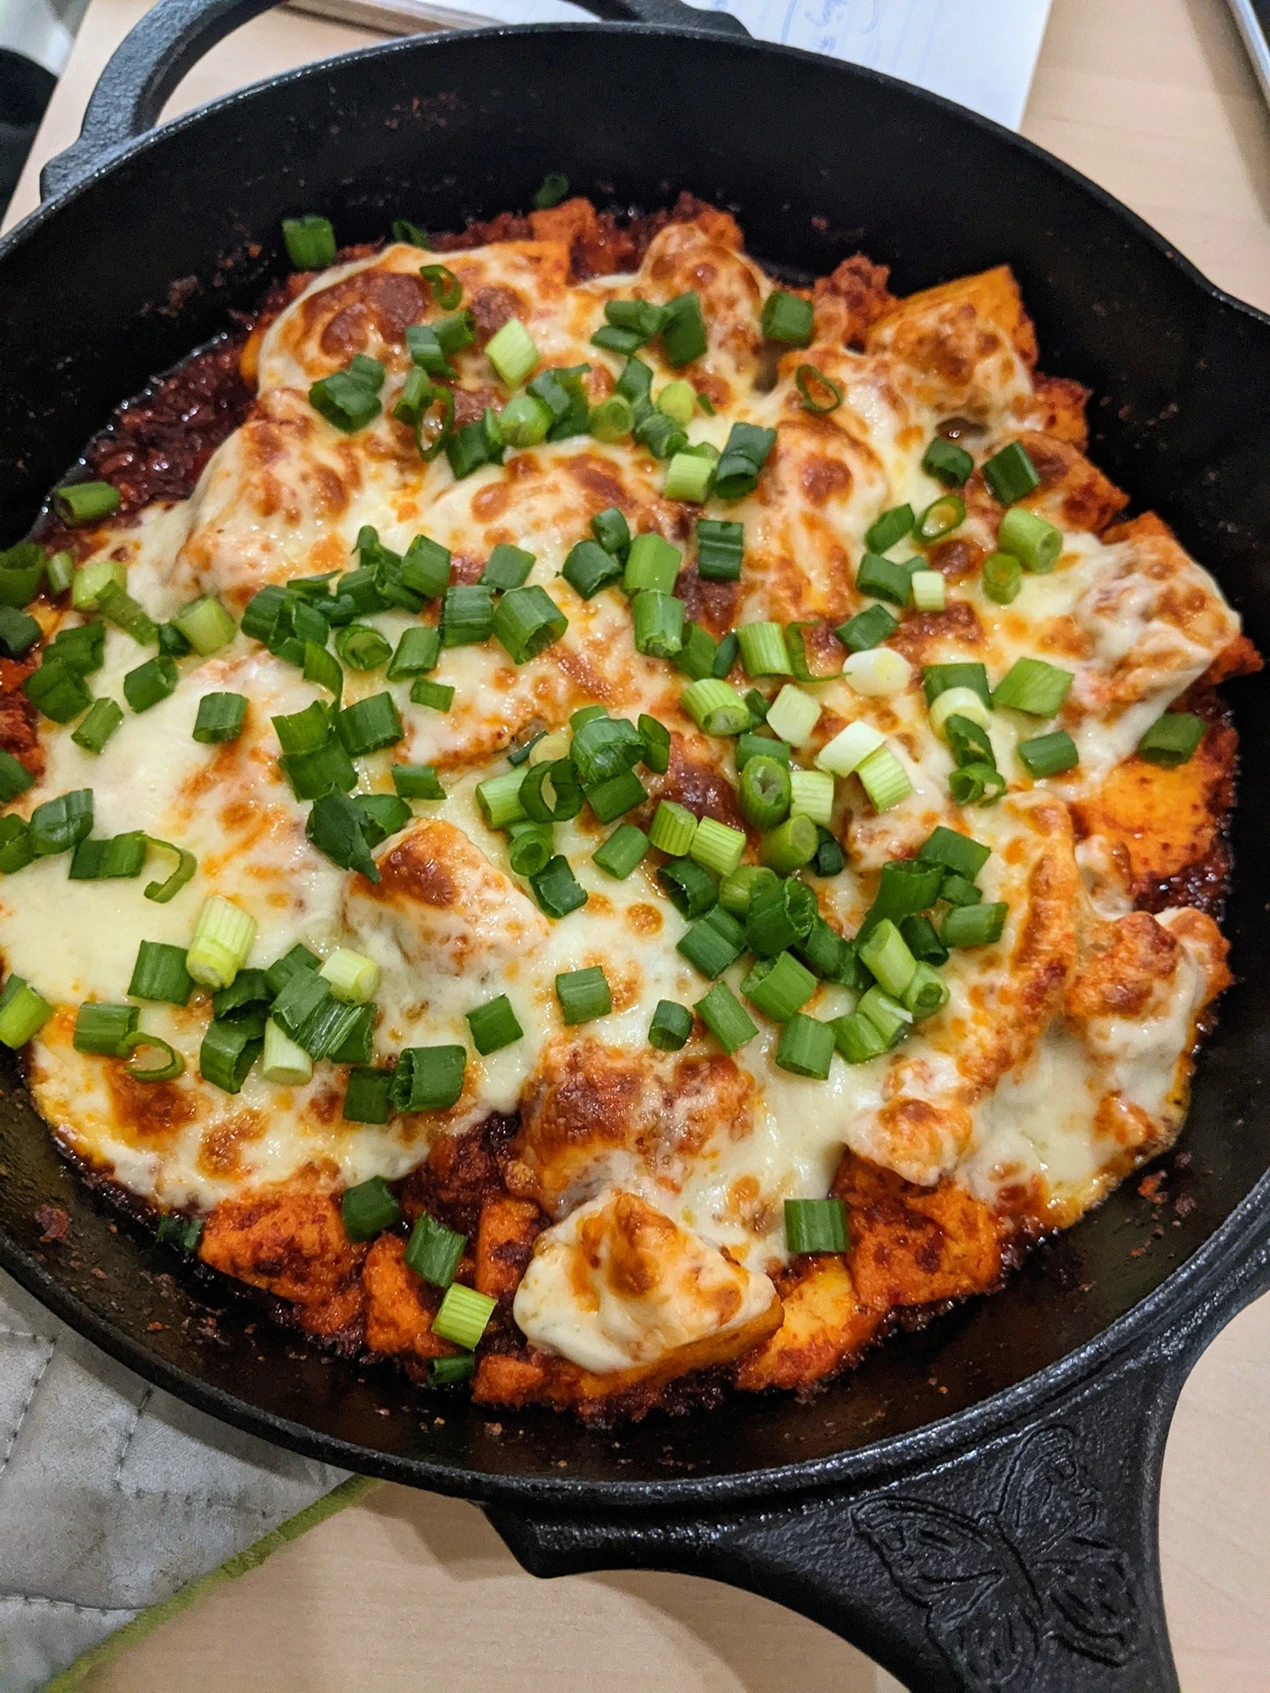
(976, 1506)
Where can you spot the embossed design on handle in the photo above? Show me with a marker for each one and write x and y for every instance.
(1001, 1587)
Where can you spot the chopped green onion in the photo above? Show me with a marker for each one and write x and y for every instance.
(658, 620)
(589, 568)
(1011, 474)
(906, 885)
(811, 795)
(612, 419)
(310, 241)
(1035, 543)
(926, 992)
(150, 682)
(60, 572)
(678, 401)
(957, 852)
(651, 564)
(890, 528)
(790, 846)
(512, 353)
(583, 994)
(973, 925)
(788, 318)
(369, 724)
(499, 799)
(683, 330)
(697, 654)
(1172, 739)
(726, 1018)
(476, 444)
(858, 1039)
(744, 454)
(418, 650)
(815, 1225)
(622, 851)
(820, 393)
(290, 964)
(160, 973)
(433, 1251)
(507, 567)
(526, 621)
(93, 579)
(467, 616)
(823, 950)
(750, 746)
(15, 778)
(690, 888)
(97, 861)
(168, 1071)
(947, 462)
(849, 748)
(62, 823)
(1049, 755)
(928, 590)
(104, 1029)
(738, 889)
(206, 625)
(354, 978)
(529, 847)
(940, 518)
(463, 1316)
(446, 288)
(656, 739)
(922, 940)
(494, 1025)
(186, 864)
(130, 616)
(765, 790)
(610, 530)
(878, 672)
(688, 477)
(603, 746)
(813, 660)
(85, 502)
(614, 797)
(868, 628)
(283, 1061)
(370, 1207)
(713, 943)
(451, 1371)
(779, 986)
(885, 954)
(22, 569)
(16, 851)
(884, 580)
(438, 695)
(559, 778)
(670, 1027)
(349, 399)
(220, 717)
(18, 631)
(958, 702)
(717, 847)
(428, 1078)
(885, 779)
(829, 859)
(1034, 686)
(720, 550)
(416, 781)
(673, 828)
(79, 648)
(23, 1012)
(223, 936)
(367, 1099)
(793, 715)
(939, 678)
(715, 706)
(555, 185)
(557, 889)
(425, 567)
(891, 1019)
(361, 647)
(779, 917)
(805, 1047)
(525, 421)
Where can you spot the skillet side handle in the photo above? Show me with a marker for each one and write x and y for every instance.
(143, 70)
(175, 34)
(1027, 1563)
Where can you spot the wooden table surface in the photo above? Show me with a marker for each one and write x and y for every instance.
(1154, 100)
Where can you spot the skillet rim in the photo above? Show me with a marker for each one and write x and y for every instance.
(1208, 1282)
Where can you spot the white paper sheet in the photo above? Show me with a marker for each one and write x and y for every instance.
(980, 53)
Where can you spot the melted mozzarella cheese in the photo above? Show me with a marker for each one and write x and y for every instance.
(714, 1145)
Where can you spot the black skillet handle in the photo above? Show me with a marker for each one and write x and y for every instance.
(1024, 1562)
(174, 35)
